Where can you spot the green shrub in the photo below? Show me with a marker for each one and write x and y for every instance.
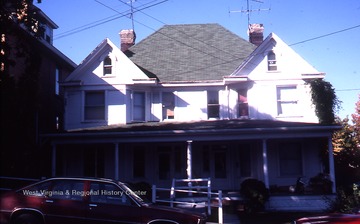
(346, 201)
(255, 194)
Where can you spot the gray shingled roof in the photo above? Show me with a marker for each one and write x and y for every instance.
(194, 52)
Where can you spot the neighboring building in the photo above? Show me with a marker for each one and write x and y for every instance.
(242, 111)
(33, 70)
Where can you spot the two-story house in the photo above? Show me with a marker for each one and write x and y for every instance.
(193, 101)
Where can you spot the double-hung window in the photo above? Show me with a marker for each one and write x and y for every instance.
(94, 105)
(271, 58)
(168, 104)
(243, 107)
(290, 159)
(213, 105)
(107, 66)
(287, 100)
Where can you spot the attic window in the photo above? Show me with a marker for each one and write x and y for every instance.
(107, 66)
(271, 57)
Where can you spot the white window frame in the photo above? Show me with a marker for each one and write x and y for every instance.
(272, 63)
(213, 104)
(107, 67)
(287, 105)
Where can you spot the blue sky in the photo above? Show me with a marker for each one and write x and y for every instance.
(83, 24)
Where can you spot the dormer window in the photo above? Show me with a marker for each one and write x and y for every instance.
(107, 66)
(271, 57)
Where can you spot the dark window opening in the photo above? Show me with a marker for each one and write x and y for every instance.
(107, 66)
(94, 105)
(243, 106)
(213, 106)
(272, 61)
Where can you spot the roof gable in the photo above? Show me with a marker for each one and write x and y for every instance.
(289, 63)
(194, 52)
(89, 71)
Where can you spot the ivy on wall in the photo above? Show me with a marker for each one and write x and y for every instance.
(325, 100)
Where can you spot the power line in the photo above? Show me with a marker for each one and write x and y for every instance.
(347, 90)
(194, 38)
(105, 20)
(326, 35)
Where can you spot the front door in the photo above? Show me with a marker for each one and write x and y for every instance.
(171, 163)
(216, 165)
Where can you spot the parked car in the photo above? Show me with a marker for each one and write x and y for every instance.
(331, 219)
(86, 200)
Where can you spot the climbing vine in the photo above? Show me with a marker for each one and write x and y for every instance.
(325, 100)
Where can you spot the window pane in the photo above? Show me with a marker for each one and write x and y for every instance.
(108, 193)
(290, 159)
(213, 104)
(94, 106)
(287, 100)
(213, 97)
(168, 104)
(94, 99)
(107, 66)
(68, 190)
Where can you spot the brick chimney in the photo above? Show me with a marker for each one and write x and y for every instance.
(127, 39)
(256, 33)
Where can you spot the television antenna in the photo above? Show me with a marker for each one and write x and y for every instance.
(248, 11)
(132, 13)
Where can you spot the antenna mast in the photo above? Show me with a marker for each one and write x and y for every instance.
(132, 14)
(248, 10)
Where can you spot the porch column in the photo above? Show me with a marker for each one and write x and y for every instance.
(189, 160)
(265, 163)
(53, 160)
(331, 164)
(116, 162)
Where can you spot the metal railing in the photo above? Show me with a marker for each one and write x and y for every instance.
(193, 187)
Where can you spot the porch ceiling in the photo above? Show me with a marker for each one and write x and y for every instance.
(209, 130)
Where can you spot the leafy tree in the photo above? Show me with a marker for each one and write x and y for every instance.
(346, 144)
(356, 121)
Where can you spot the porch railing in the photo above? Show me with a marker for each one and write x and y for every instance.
(199, 186)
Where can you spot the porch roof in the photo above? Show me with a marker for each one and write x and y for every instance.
(208, 130)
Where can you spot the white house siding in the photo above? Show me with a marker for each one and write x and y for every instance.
(190, 105)
(156, 106)
(116, 105)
